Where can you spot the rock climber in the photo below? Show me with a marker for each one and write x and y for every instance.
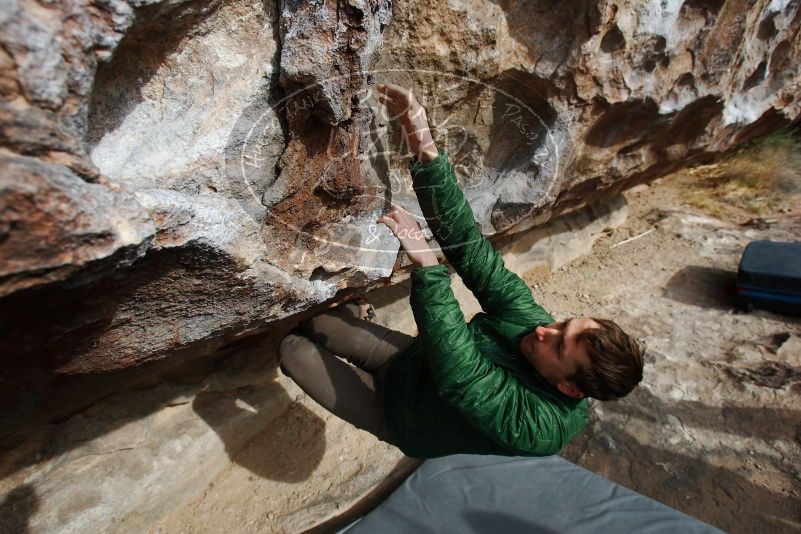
(512, 381)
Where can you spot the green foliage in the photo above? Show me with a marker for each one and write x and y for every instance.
(770, 165)
(759, 178)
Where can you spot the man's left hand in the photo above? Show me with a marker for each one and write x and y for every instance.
(412, 238)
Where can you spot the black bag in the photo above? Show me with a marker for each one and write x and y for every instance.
(769, 277)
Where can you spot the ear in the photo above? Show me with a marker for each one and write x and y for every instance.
(570, 390)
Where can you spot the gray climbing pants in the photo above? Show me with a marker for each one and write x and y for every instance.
(354, 391)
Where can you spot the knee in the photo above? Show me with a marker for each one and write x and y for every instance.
(290, 349)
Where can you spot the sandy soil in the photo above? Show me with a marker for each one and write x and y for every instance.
(714, 430)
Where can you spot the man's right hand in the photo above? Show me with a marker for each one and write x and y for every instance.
(404, 107)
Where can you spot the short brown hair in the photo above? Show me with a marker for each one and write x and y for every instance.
(616, 362)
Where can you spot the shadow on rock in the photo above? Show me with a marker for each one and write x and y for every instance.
(695, 486)
(747, 421)
(699, 486)
(287, 447)
(66, 412)
(705, 287)
(16, 509)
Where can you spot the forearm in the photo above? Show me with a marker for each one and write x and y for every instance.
(447, 212)
(450, 218)
(427, 149)
(404, 107)
(441, 325)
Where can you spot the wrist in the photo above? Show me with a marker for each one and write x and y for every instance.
(428, 261)
(428, 155)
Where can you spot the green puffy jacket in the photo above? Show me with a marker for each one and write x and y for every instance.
(465, 388)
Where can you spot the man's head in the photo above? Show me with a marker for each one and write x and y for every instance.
(585, 357)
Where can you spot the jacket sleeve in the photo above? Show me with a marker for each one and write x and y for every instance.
(487, 395)
(501, 293)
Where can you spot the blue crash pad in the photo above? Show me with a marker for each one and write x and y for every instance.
(511, 495)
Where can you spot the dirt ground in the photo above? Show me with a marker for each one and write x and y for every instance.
(714, 430)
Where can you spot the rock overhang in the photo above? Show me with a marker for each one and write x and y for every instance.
(237, 140)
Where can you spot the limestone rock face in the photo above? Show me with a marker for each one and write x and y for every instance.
(559, 102)
(176, 175)
(158, 177)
